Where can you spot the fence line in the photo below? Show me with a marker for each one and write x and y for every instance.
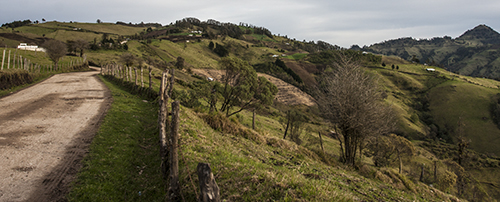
(168, 132)
(17, 61)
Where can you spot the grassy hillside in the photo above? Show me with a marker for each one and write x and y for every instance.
(474, 53)
(258, 165)
(465, 108)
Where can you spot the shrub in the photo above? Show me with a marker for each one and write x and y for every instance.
(14, 78)
(447, 180)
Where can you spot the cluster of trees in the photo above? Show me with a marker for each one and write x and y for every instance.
(240, 89)
(279, 69)
(79, 46)
(225, 29)
(142, 24)
(108, 43)
(17, 23)
(328, 57)
(218, 49)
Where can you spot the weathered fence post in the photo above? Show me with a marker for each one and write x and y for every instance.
(130, 73)
(435, 171)
(174, 188)
(321, 143)
(422, 173)
(162, 117)
(209, 191)
(135, 71)
(15, 58)
(25, 64)
(3, 58)
(127, 72)
(142, 79)
(150, 79)
(8, 61)
(253, 119)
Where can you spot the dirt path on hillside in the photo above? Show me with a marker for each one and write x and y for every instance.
(287, 93)
(45, 131)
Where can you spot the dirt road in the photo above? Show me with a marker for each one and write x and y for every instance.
(45, 131)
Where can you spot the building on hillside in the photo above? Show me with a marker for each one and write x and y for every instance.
(25, 46)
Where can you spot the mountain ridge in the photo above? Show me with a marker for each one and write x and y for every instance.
(474, 53)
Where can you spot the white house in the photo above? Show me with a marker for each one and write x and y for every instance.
(430, 70)
(25, 46)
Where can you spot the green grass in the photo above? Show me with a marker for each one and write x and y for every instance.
(262, 37)
(123, 163)
(36, 79)
(453, 100)
(297, 56)
(110, 28)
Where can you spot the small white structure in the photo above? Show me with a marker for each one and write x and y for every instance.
(430, 70)
(25, 46)
(275, 56)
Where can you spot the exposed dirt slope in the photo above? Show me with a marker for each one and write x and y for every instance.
(287, 94)
(44, 133)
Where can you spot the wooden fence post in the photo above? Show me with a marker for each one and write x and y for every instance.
(130, 74)
(142, 79)
(150, 79)
(25, 64)
(174, 188)
(162, 117)
(253, 119)
(8, 61)
(127, 72)
(3, 59)
(422, 173)
(435, 171)
(209, 189)
(135, 71)
(321, 143)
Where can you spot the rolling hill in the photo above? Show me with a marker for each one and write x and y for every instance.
(474, 53)
(432, 107)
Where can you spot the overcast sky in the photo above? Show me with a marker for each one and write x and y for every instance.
(344, 23)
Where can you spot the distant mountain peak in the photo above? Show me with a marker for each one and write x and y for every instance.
(483, 33)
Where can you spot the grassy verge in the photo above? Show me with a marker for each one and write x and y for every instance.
(123, 163)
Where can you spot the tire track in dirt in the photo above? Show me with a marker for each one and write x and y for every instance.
(45, 131)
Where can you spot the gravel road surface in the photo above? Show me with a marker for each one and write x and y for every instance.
(45, 131)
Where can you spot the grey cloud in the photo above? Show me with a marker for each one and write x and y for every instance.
(344, 23)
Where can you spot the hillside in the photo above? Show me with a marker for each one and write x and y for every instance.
(261, 165)
(474, 53)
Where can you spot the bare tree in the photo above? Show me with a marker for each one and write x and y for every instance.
(350, 99)
(293, 123)
(128, 59)
(55, 50)
(81, 45)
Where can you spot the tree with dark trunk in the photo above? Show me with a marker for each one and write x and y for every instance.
(243, 88)
(81, 45)
(55, 50)
(180, 63)
(349, 98)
